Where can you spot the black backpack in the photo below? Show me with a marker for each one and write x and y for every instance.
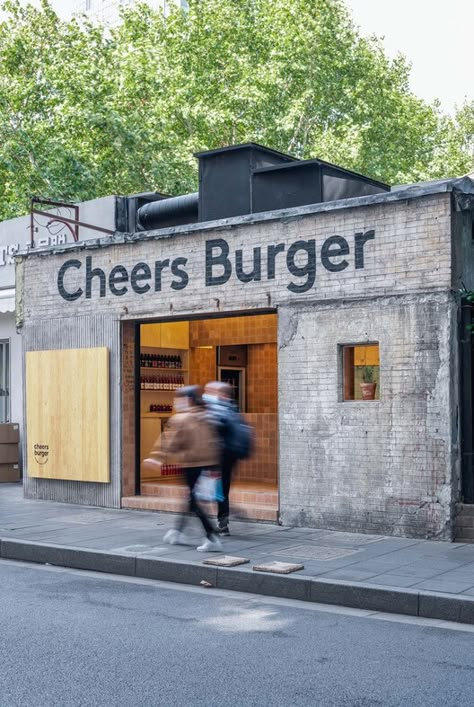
(241, 442)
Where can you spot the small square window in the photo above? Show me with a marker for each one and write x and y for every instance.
(361, 372)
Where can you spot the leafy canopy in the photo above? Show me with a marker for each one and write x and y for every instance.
(86, 111)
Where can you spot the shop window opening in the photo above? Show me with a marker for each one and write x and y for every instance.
(360, 372)
(4, 381)
(240, 350)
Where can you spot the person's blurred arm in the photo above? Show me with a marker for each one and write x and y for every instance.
(173, 439)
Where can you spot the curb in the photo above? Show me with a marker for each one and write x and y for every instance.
(358, 595)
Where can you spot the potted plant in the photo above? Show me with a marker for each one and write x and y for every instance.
(368, 384)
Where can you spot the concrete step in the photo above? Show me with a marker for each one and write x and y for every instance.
(159, 490)
(465, 509)
(464, 533)
(240, 496)
(176, 505)
(148, 503)
(464, 521)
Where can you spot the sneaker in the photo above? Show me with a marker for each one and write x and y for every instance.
(172, 537)
(212, 544)
(223, 530)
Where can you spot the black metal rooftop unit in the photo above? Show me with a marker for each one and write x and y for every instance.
(225, 178)
(307, 182)
(250, 178)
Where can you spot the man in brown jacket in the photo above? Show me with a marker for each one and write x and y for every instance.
(191, 441)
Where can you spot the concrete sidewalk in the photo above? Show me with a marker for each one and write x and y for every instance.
(414, 577)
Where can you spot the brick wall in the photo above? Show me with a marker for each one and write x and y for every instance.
(410, 252)
(386, 466)
(377, 466)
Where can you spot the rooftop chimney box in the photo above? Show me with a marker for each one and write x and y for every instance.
(225, 178)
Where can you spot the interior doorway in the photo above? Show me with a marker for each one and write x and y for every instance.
(241, 350)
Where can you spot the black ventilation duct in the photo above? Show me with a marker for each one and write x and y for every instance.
(173, 211)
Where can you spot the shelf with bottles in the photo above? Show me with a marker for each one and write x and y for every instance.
(161, 361)
(161, 384)
(162, 370)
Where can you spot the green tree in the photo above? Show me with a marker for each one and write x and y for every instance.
(85, 111)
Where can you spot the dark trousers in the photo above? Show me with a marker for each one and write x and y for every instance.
(228, 463)
(191, 476)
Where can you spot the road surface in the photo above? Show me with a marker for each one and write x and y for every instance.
(70, 638)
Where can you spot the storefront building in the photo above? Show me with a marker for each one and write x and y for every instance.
(338, 321)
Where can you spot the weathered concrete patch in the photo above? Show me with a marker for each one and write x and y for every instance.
(278, 567)
(316, 553)
(226, 561)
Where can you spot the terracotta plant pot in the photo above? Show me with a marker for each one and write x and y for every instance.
(368, 390)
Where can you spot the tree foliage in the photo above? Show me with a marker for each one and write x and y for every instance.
(86, 111)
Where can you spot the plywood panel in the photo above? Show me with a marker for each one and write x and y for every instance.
(366, 355)
(150, 335)
(175, 335)
(67, 410)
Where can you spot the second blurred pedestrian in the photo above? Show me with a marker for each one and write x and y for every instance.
(190, 440)
(236, 441)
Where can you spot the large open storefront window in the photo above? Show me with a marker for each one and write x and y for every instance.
(241, 351)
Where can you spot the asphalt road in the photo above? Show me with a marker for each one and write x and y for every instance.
(84, 639)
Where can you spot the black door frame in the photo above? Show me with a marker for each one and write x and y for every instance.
(466, 379)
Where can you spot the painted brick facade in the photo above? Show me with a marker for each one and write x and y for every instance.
(388, 466)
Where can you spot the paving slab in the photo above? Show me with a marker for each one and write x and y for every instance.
(366, 572)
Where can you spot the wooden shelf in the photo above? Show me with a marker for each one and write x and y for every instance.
(172, 390)
(155, 415)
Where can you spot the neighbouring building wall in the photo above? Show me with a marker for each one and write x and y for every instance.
(9, 333)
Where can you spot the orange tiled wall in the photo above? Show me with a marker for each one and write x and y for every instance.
(263, 465)
(230, 331)
(262, 383)
(260, 333)
(202, 366)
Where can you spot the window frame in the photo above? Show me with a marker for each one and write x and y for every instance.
(5, 381)
(343, 364)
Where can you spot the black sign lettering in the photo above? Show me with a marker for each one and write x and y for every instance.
(177, 270)
(255, 273)
(360, 240)
(272, 252)
(221, 258)
(160, 265)
(69, 296)
(307, 270)
(140, 272)
(118, 275)
(334, 247)
(90, 274)
(144, 277)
